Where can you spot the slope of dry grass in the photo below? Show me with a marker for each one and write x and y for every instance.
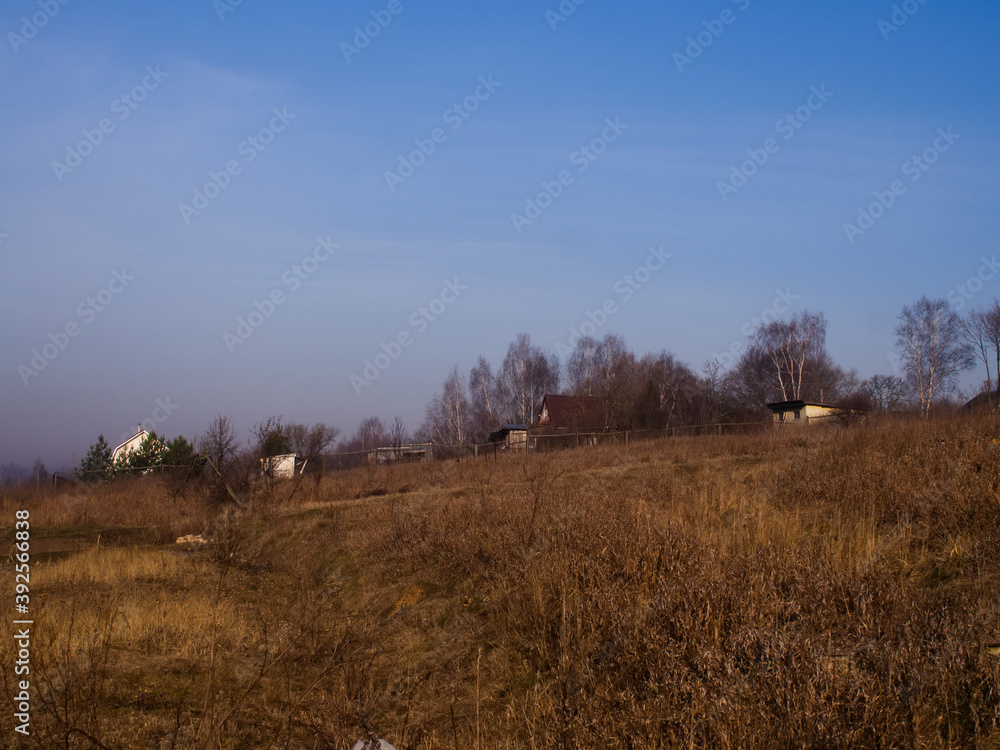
(797, 589)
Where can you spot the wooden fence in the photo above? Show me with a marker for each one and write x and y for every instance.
(537, 442)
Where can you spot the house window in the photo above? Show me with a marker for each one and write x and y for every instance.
(798, 415)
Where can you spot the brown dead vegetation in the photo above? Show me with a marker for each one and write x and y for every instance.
(822, 588)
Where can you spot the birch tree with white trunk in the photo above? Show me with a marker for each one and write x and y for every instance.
(933, 349)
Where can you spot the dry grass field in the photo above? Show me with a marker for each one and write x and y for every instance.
(798, 589)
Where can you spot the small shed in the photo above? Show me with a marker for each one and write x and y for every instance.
(512, 438)
(801, 413)
(284, 466)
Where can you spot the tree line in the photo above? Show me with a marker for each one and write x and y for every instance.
(784, 360)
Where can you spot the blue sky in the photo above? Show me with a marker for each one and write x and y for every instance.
(177, 282)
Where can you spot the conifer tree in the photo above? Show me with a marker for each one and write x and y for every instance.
(96, 465)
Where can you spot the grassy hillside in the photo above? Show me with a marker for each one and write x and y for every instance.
(821, 588)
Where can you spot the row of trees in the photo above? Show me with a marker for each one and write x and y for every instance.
(218, 447)
(783, 361)
(13, 474)
(152, 453)
(653, 391)
(468, 408)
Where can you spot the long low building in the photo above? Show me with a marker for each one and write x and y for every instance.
(403, 453)
(803, 412)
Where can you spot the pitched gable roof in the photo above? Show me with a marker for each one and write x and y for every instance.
(793, 405)
(578, 412)
(132, 443)
(983, 401)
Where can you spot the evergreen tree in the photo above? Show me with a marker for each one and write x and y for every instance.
(180, 452)
(182, 458)
(96, 465)
(148, 455)
(271, 438)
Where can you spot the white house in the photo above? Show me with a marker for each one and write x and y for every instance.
(132, 444)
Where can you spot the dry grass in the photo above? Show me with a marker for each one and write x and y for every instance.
(827, 589)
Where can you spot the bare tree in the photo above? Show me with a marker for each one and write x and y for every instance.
(825, 380)
(654, 392)
(297, 433)
(582, 367)
(714, 399)
(310, 442)
(371, 434)
(608, 369)
(617, 379)
(669, 387)
(619, 382)
(398, 433)
(791, 346)
(751, 383)
(220, 446)
(888, 392)
(39, 471)
(449, 417)
(981, 329)
(933, 349)
(219, 443)
(525, 376)
(483, 400)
